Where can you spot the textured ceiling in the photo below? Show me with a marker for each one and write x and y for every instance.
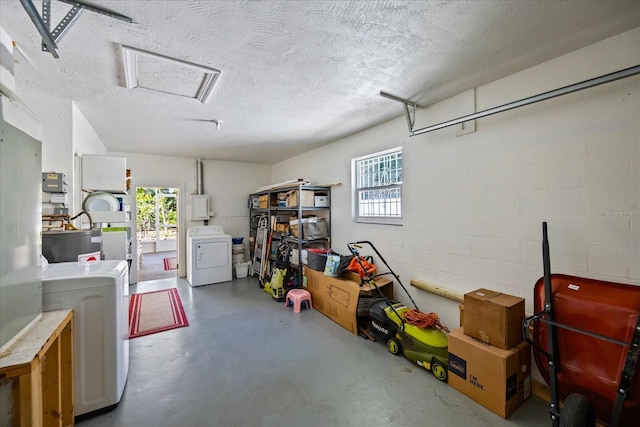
(295, 74)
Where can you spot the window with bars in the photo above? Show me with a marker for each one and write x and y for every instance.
(377, 185)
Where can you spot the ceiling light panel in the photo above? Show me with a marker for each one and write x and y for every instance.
(151, 71)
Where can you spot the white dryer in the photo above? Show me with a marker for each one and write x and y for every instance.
(208, 256)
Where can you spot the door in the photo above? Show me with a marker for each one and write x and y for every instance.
(157, 232)
(212, 254)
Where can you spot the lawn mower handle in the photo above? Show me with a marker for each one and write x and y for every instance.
(355, 253)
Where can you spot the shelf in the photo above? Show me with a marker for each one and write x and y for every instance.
(294, 194)
(293, 239)
(112, 217)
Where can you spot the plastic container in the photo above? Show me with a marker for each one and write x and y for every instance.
(237, 240)
(316, 261)
(317, 258)
(242, 270)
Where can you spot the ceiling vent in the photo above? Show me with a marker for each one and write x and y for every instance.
(151, 71)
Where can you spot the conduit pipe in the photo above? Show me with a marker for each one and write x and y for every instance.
(586, 84)
(198, 170)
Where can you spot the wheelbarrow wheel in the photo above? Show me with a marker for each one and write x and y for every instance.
(393, 346)
(577, 412)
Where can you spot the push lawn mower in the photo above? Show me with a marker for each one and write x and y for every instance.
(418, 336)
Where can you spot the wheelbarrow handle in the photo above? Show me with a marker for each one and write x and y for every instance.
(526, 331)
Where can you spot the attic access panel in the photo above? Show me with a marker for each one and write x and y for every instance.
(159, 73)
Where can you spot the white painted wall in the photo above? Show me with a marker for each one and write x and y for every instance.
(85, 139)
(229, 184)
(473, 205)
(65, 134)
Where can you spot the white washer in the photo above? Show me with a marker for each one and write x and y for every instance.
(98, 293)
(208, 256)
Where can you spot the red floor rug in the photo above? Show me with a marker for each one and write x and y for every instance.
(170, 263)
(156, 311)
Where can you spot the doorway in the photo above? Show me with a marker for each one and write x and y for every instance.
(157, 232)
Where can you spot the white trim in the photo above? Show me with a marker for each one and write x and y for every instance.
(130, 57)
(354, 191)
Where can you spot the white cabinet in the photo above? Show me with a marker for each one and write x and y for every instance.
(114, 244)
(104, 173)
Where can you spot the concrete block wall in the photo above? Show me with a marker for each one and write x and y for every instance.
(473, 205)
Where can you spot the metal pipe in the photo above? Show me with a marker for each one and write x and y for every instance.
(99, 10)
(88, 216)
(395, 98)
(198, 169)
(586, 84)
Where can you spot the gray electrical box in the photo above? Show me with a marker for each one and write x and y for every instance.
(53, 182)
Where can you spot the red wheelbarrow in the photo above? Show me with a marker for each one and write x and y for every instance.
(586, 341)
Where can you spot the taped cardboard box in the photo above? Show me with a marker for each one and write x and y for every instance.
(337, 297)
(305, 198)
(494, 317)
(499, 380)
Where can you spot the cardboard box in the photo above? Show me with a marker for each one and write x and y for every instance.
(499, 380)
(264, 201)
(494, 317)
(282, 228)
(306, 198)
(337, 297)
(321, 201)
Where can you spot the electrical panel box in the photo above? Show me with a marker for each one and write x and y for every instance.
(199, 207)
(54, 182)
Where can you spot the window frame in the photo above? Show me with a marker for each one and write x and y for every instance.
(355, 191)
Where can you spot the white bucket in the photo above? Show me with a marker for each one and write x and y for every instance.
(242, 270)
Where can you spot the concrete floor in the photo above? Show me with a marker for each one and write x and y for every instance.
(152, 266)
(246, 360)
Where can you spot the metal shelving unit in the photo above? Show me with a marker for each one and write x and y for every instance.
(277, 219)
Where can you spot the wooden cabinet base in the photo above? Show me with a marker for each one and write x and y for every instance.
(40, 364)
